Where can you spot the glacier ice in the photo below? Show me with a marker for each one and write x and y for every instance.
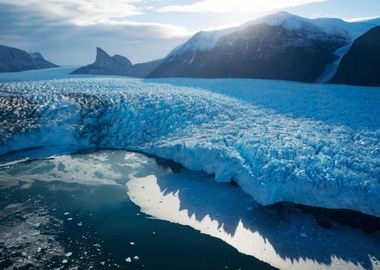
(313, 145)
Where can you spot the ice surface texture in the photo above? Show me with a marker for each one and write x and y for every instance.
(277, 145)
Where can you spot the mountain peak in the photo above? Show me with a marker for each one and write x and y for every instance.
(122, 60)
(13, 59)
(283, 14)
(100, 51)
(206, 40)
(286, 20)
(102, 57)
(107, 65)
(36, 55)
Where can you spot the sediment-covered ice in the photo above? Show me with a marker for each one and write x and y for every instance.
(276, 146)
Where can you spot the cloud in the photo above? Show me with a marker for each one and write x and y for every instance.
(67, 43)
(240, 6)
(82, 12)
(67, 31)
(362, 19)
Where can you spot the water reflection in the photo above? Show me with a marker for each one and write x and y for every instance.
(283, 237)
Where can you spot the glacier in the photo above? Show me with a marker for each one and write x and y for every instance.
(315, 145)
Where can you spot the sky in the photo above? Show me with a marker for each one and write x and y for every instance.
(67, 32)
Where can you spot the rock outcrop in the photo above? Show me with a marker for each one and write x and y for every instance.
(116, 65)
(361, 65)
(13, 60)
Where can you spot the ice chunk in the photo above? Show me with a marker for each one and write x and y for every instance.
(68, 254)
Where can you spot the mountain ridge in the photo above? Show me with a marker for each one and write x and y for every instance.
(116, 65)
(15, 60)
(280, 46)
(361, 65)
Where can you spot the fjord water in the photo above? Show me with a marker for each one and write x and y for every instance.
(280, 141)
(74, 211)
(100, 209)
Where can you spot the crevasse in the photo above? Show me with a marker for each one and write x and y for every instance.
(273, 156)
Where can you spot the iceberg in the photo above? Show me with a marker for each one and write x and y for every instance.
(311, 145)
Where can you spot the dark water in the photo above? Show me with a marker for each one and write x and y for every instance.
(123, 210)
(99, 230)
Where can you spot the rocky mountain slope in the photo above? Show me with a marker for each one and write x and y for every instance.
(258, 51)
(361, 65)
(12, 60)
(116, 65)
(279, 46)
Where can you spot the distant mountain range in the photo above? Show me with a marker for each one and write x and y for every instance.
(117, 65)
(281, 46)
(282, 52)
(12, 60)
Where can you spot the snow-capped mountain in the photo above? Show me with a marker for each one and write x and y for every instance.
(202, 41)
(13, 59)
(279, 46)
(287, 21)
(334, 26)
